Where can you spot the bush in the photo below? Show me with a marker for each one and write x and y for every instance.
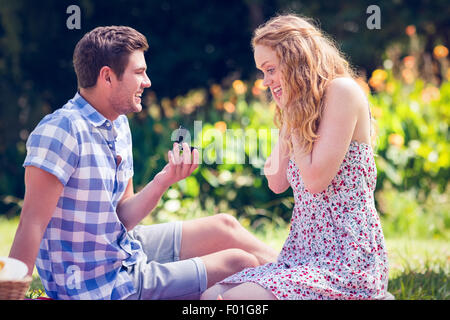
(413, 135)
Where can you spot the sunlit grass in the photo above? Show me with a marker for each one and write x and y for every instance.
(419, 269)
(7, 231)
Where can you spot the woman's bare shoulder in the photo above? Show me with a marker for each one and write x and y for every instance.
(346, 88)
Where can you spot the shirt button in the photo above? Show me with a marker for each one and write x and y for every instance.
(110, 145)
(108, 124)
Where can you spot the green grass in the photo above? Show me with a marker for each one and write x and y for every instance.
(419, 268)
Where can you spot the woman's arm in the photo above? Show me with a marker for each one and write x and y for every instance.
(276, 165)
(343, 101)
(42, 191)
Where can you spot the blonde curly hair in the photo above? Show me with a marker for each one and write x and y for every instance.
(309, 60)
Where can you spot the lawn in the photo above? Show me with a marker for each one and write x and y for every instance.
(419, 268)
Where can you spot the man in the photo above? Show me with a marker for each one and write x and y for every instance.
(80, 217)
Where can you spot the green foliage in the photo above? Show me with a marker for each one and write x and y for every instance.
(404, 215)
(413, 159)
(413, 138)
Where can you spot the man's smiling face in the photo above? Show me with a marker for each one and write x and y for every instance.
(126, 96)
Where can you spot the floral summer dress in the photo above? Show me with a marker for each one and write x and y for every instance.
(335, 248)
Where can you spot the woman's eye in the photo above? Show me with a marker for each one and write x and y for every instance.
(271, 70)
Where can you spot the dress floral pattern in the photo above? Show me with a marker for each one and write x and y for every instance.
(335, 248)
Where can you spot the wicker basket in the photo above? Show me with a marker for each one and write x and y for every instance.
(14, 289)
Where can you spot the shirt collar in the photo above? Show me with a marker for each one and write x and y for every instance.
(88, 111)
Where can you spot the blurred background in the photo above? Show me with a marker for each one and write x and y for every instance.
(201, 66)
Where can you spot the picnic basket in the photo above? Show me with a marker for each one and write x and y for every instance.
(14, 289)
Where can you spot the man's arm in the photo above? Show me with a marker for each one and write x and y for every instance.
(132, 208)
(42, 191)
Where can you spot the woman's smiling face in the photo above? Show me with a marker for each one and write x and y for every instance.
(267, 61)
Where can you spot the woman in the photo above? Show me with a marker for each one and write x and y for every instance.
(335, 248)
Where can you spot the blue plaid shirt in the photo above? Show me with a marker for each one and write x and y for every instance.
(85, 249)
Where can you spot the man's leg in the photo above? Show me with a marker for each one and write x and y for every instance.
(167, 275)
(204, 236)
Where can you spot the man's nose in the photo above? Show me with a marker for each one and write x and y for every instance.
(147, 83)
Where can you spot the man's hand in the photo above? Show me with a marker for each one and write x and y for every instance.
(135, 207)
(180, 166)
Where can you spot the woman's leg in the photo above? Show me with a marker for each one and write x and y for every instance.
(224, 263)
(248, 291)
(207, 235)
(216, 290)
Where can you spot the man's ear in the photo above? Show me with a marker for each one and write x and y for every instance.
(105, 75)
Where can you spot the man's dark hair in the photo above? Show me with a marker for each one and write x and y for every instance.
(105, 46)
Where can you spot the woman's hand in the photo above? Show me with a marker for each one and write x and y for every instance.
(276, 165)
(180, 166)
(285, 138)
(298, 150)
